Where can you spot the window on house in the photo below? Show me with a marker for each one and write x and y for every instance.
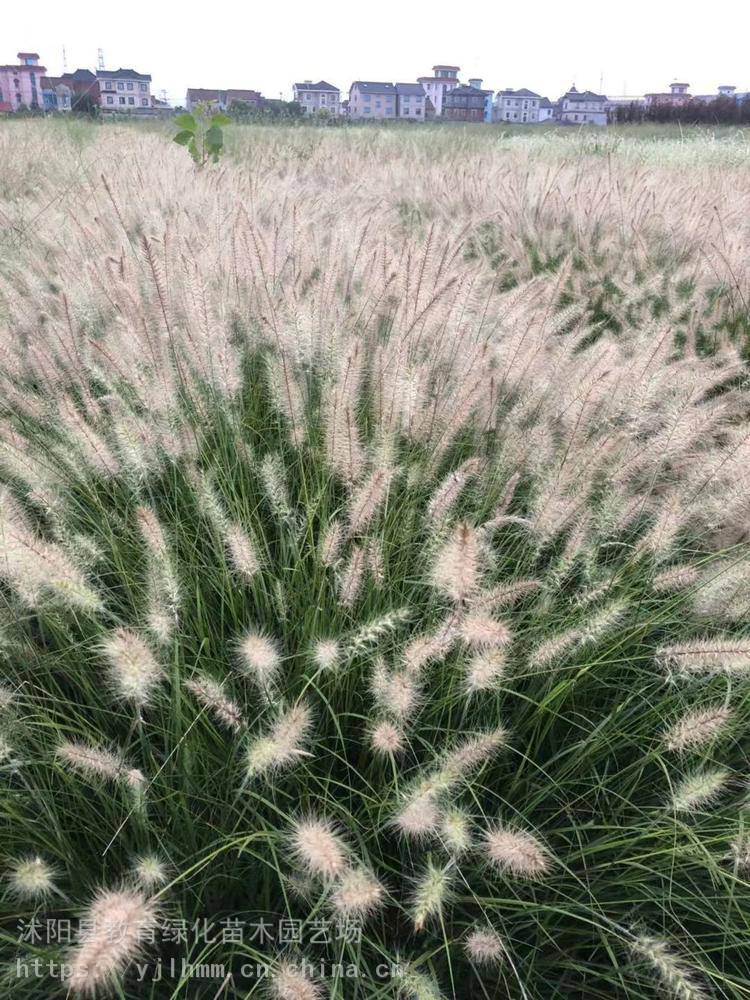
(121, 100)
(144, 102)
(130, 84)
(144, 88)
(110, 100)
(121, 86)
(131, 100)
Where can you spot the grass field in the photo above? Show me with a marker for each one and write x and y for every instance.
(375, 576)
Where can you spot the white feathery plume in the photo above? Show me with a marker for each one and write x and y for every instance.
(699, 789)
(675, 578)
(396, 693)
(446, 495)
(455, 571)
(368, 499)
(429, 648)
(455, 831)
(385, 738)
(739, 852)
(291, 982)
(484, 670)
(516, 852)
(484, 946)
(150, 871)
(697, 728)
(331, 543)
(210, 694)
(116, 925)
(352, 576)
(431, 892)
(357, 894)
(282, 746)
(481, 631)
(260, 657)
(241, 552)
(326, 654)
(94, 762)
(675, 974)
(272, 475)
(318, 848)
(723, 655)
(134, 670)
(30, 878)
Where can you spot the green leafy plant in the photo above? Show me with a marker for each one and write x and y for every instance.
(201, 132)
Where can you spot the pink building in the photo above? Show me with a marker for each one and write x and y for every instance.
(21, 85)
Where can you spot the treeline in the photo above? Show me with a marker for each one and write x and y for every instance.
(721, 111)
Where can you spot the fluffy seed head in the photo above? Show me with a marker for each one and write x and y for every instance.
(455, 831)
(419, 817)
(94, 762)
(739, 852)
(455, 571)
(357, 894)
(675, 578)
(516, 852)
(282, 746)
(116, 926)
(292, 983)
(326, 654)
(430, 895)
(396, 693)
(481, 631)
(210, 694)
(241, 552)
(134, 669)
(318, 848)
(697, 728)
(485, 670)
(260, 657)
(386, 738)
(708, 656)
(699, 789)
(150, 871)
(30, 878)
(484, 946)
(673, 971)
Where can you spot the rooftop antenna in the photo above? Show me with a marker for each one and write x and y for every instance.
(601, 82)
(65, 61)
(100, 59)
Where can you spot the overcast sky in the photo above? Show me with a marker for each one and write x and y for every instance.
(265, 45)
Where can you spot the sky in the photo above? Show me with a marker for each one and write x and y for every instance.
(264, 45)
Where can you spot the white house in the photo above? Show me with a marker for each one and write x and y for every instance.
(519, 107)
(313, 97)
(583, 108)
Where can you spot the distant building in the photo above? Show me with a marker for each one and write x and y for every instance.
(58, 95)
(123, 89)
(583, 108)
(677, 97)
(546, 110)
(21, 83)
(370, 100)
(464, 104)
(476, 81)
(81, 82)
(312, 97)
(519, 107)
(410, 101)
(220, 100)
(443, 80)
(725, 92)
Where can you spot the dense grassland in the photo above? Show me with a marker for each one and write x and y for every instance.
(373, 560)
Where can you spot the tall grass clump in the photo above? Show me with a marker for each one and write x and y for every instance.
(373, 617)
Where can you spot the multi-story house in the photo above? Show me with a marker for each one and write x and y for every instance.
(677, 97)
(370, 100)
(520, 107)
(21, 84)
(464, 104)
(443, 80)
(123, 89)
(410, 101)
(314, 97)
(583, 108)
(221, 100)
